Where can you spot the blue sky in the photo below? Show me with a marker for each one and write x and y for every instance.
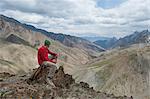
(81, 17)
(108, 4)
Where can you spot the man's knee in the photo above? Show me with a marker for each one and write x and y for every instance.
(50, 64)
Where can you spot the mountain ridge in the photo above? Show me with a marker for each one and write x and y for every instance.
(134, 38)
(95, 38)
(106, 43)
(67, 40)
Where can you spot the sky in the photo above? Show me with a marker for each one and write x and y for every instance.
(107, 18)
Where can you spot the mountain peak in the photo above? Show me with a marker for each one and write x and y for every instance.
(145, 31)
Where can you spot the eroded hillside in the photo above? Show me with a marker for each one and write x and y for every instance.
(122, 72)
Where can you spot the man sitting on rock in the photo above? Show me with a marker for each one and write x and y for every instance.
(44, 58)
(47, 64)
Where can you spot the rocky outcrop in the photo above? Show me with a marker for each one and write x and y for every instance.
(39, 75)
(65, 88)
(61, 79)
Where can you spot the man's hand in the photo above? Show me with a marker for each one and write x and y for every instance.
(55, 59)
(56, 55)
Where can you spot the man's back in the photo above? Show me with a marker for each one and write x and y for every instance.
(41, 54)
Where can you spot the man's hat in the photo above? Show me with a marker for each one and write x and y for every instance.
(47, 42)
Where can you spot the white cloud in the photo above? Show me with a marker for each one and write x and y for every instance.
(25, 17)
(80, 16)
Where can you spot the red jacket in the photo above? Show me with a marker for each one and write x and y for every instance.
(43, 55)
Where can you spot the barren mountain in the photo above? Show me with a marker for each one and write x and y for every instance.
(107, 44)
(32, 34)
(15, 58)
(120, 71)
(135, 38)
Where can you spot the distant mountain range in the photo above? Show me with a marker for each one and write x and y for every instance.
(106, 43)
(32, 34)
(27, 32)
(95, 38)
(135, 38)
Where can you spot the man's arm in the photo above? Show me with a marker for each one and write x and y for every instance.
(45, 56)
(50, 52)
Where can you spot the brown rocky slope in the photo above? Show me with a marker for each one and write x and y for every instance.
(120, 71)
(16, 86)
